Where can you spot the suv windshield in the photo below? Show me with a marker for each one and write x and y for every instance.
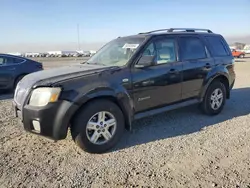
(117, 52)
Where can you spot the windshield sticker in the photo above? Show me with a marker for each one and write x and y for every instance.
(131, 46)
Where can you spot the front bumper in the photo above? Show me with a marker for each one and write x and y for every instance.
(232, 85)
(53, 119)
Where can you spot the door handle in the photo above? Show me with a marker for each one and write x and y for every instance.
(207, 66)
(173, 71)
(12, 69)
(148, 82)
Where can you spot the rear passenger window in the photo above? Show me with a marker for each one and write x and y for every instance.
(10, 60)
(218, 47)
(192, 48)
(17, 60)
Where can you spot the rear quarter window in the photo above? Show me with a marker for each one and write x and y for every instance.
(218, 46)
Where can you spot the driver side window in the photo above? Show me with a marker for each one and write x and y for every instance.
(150, 50)
(163, 50)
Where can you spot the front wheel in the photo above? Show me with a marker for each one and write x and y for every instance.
(98, 126)
(214, 99)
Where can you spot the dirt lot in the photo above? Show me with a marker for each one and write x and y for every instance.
(182, 148)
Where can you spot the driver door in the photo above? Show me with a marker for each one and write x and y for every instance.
(159, 84)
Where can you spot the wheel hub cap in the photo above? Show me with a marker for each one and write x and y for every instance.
(216, 99)
(101, 127)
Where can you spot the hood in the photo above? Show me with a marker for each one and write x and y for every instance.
(54, 75)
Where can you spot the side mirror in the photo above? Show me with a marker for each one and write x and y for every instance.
(145, 61)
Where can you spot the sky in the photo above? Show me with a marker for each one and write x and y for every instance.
(42, 24)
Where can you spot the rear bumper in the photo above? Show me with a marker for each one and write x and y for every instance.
(51, 121)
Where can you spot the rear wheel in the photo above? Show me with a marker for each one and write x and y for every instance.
(98, 126)
(241, 56)
(214, 99)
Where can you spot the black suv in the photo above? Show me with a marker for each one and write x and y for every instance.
(128, 78)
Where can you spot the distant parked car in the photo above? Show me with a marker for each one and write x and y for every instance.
(86, 54)
(64, 55)
(44, 54)
(14, 68)
(77, 55)
(238, 54)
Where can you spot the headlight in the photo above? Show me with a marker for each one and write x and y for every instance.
(42, 96)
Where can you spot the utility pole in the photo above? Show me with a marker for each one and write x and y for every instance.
(78, 36)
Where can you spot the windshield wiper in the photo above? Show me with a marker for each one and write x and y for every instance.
(95, 63)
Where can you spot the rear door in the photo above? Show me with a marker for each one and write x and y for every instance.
(219, 49)
(3, 80)
(8, 70)
(222, 55)
(197, 62)
(6, 73)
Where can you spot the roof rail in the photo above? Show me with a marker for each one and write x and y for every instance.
(180, 29)
(190, 29)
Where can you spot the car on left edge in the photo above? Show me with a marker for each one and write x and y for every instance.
(14, 68)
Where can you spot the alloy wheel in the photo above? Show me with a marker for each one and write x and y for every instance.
(216, 99)
(101, 127)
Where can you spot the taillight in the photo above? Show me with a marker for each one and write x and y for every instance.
(40, 66)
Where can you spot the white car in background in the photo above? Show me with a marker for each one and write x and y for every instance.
(246, 49)
(86, 54)
(92, 52)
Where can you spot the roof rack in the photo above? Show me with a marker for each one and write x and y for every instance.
(178, 29)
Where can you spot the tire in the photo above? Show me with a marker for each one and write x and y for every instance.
(206, 105)
(241, 56)
(79, 131)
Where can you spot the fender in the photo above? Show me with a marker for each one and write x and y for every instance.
(211, 76)
(120, 96)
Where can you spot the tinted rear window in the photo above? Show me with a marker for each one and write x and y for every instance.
(12, 60)
(9, 60)
(192, 48)
(17, 60)
(217, 45)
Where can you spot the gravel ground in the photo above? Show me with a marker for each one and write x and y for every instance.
(182, 148)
